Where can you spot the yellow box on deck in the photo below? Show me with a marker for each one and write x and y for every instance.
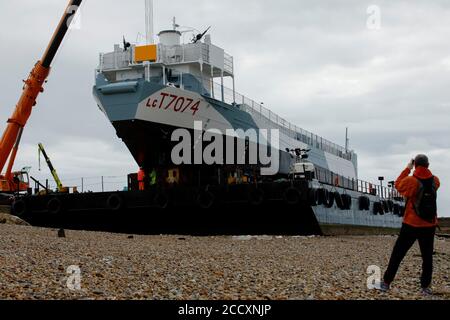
(146, 53)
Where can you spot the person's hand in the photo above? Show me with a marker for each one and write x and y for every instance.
(411, 165)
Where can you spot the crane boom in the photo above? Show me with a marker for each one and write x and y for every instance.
(33, 86)
(59, 184)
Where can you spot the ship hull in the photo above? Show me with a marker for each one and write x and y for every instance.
(235, 210)
(156, 151)
(146, 115)
(335, 220)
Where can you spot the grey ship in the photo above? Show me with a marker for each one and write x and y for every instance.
(149, 91)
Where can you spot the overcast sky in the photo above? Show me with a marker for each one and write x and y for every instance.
(315, 63)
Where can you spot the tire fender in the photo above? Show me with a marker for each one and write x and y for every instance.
(206, 200)
(256, 196)
(19, 208)
(161, 200)
(396, 210)
(339, 200)
(347, 199)
(55, 206)
(378, 208)
(292, 196)
(115, 202)
(313, 197)
(322, 195)
(329, 200)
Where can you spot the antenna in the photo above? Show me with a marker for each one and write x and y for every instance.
(149, 21)
(200, 36)
(174, 24)
(126, 44)
(347, 140)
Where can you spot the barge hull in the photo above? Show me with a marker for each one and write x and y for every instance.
(266, 209)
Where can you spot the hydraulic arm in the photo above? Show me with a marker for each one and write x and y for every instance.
(33, 86)
(59, 184)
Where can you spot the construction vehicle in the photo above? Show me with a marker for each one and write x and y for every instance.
(12, 182)
(59, 186)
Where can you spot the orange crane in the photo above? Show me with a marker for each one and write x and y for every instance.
(11, 182)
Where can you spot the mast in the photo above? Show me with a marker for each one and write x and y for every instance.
(347, 140)
(149, 29)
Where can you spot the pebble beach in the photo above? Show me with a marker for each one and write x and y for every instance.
(38, 263)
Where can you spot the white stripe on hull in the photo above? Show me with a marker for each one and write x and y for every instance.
(153, 109)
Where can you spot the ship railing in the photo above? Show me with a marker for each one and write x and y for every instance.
(85, 184)
(120, 183)
(114, 61)
(272, 120)
(205, 53)
(188, 53)
(229, 63)
(383, 192)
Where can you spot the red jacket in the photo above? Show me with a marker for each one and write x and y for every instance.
(408, 186)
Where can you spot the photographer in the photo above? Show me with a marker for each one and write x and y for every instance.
(420, 221)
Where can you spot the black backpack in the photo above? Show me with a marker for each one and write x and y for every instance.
(426, 203)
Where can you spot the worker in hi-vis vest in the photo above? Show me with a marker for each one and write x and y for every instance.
(153, 177)
(141, 179)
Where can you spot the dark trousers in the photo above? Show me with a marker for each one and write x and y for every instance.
(406, 240)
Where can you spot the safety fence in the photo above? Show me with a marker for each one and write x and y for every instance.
(120, 183)
(376, 189)
(86, 184)
(272, 120)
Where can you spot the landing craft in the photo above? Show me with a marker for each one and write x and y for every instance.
(150, 91)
